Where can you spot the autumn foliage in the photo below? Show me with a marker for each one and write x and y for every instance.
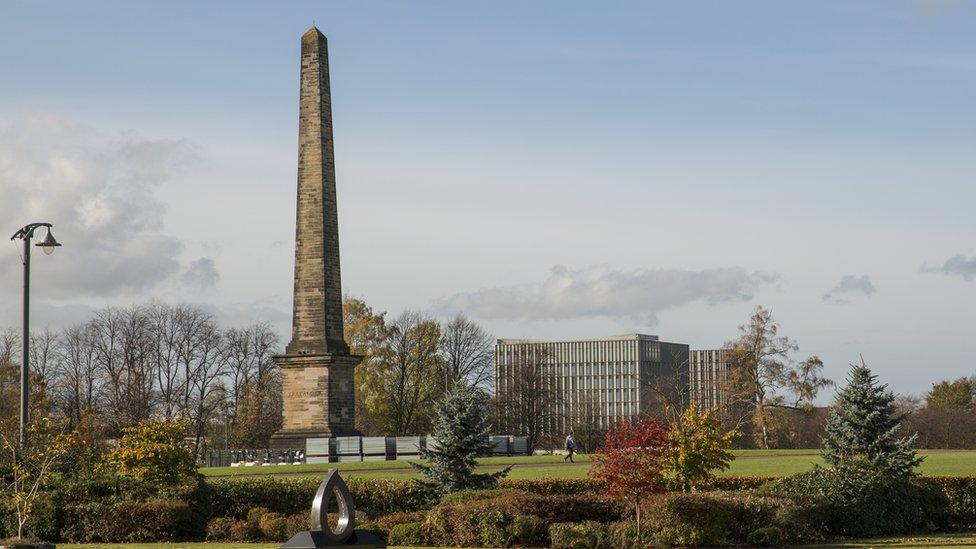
(632, 461)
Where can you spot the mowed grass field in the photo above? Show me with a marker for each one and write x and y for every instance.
(770, 463)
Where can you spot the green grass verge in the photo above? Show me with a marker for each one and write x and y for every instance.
(747, 463)
(961, 539)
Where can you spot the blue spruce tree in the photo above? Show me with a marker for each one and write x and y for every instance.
(461, 434)
(863, 427)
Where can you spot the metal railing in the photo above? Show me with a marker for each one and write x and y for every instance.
(343, 449)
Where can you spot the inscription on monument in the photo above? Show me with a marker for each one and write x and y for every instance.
(304, 394)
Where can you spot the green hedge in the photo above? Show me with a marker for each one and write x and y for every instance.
(961, 492)
(722, 518)
(374, 497)
(860, 501)
(128, 521)
(71, 509)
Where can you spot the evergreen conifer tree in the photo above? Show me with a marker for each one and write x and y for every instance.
(863, 426)
(461, 434)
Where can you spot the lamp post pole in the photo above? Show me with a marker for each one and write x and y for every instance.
(25, 363)
(48, 245)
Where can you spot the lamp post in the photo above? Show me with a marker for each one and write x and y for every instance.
(48, 245)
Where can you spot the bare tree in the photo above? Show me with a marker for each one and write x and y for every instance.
(467, 351)
(166, 335)
(9, 346)
(79, 379)
(207, 392)
(527, 399)
(43, 354)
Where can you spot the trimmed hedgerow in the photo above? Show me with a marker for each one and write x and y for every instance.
(862, 501)
(374, 497)
(961, 493)
(720, 518)
(129, 521)
(577, 535)
(407, 533)
(512, 518)
(385, 524)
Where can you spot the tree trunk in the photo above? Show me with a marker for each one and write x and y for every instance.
(638, 513)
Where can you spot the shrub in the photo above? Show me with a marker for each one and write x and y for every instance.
(719, 518)
(374, 497)
(571, 535)
(576, 486)
(623, 535)
(372, 529)
(407, 533)
(255, 513)
(218, 529)
(243, 530)
(154, 451)
(131, 521)
(961, 494)
(273, 526)
(386, 523)
(862, 501)
(465, 496)
(552, 509)
(770, 535)
(698, 447)
(527, 530)
(298, 522)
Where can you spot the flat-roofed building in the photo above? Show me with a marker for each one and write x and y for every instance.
(605, 379)
(708, 372)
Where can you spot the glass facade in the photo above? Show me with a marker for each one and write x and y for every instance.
(606, 380)
(707, 376)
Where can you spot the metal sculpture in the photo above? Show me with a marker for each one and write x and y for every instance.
(345, 533)
(333, 483)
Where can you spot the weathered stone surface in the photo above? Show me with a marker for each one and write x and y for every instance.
(317, 320)
(317, 369)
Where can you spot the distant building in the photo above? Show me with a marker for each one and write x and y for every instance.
(707, 377)
(598, 380)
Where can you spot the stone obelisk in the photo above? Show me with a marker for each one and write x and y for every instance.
(316, 369)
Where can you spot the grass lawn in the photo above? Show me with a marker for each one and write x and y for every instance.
(747, 463)
(962, 539)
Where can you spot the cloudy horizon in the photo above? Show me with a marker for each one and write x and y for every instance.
(570, 174)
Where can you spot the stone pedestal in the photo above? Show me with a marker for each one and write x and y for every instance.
(319, 398)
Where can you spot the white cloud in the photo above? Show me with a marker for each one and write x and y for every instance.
(957, 265)
(603, 292)
(100, 194)
(849, 286)
(201, 274)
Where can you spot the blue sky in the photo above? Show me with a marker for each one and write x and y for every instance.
(553, 169)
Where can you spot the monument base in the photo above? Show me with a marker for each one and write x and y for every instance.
(316, 539)
(318, 397)
(287, 439)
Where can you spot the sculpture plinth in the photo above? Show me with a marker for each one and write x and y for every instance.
(317, 367)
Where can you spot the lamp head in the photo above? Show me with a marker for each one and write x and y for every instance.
(49, 243)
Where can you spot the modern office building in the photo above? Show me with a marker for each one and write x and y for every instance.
(707, 377)
(605, 379)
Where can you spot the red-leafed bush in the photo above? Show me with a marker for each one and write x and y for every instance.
(633, 460)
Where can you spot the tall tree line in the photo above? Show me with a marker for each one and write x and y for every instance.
(409, 363)
(128, 364)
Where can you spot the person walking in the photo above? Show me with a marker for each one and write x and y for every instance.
(570, 447)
